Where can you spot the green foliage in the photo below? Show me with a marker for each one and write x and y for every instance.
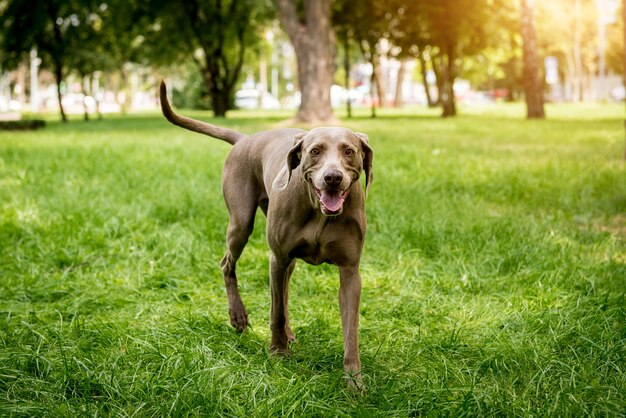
(78, 35)
(193, 94)
(494, 274)
(215, 34)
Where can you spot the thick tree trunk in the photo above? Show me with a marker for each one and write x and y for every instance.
(219, 90)
(220, 101)
(314, 80)
(314, 43)
(533, 88)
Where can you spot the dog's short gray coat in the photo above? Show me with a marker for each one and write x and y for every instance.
(307, 185)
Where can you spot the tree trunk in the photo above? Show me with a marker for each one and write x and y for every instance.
(314, 44)
(577, 54)
(397, 100)
(449, 75)
(58, 76)
(624, 69)
(94, 95)
(367, 50)
(533, 88)
(220, 101)
(424, 70)
(21, 80)
(346, 68)
(84, 80)
(220, 95)
(570, 77)
(437, 69)
(123, 90)
(372, 95)
(381, 90)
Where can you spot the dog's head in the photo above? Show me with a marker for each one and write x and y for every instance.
(330, 160)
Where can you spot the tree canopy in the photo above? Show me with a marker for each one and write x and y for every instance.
(478, 40)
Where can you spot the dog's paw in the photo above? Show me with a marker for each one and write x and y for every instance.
(355, 383)
(238, 318)
(290, 335)
(280, 351)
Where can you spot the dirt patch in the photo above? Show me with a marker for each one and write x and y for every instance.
(614, 225)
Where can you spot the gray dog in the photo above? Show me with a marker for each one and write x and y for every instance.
(307, 185)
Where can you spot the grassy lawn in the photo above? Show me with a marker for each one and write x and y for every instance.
(494, 273)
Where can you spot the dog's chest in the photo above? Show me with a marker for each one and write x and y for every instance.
(317, 244)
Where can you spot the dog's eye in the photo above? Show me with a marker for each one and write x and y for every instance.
(315, 151)
(349, 152)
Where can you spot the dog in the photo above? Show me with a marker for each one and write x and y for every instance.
(307, 184)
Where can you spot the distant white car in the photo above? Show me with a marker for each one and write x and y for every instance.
(9, 105)
(250, 99)
(73, 103)
(618, 93)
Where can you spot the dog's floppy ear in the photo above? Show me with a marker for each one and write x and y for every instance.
(295, 153)
(293, 160)
(368, 156)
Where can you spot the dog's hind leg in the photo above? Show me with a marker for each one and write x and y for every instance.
(290, 335)
(240, 225)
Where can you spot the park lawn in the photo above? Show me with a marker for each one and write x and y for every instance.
(494, 273)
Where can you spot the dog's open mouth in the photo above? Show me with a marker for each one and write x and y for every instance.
(331, 200)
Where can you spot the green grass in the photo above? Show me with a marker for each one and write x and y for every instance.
(494, 273)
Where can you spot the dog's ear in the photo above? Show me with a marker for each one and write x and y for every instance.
(295, 153)
(293, 160)
(368, 156)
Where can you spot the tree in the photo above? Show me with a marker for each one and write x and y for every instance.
(222, 30)
(443, 33)
(68, 36)
(409, 31)
(499, 64)
(366, 23)
(40, 24)
(123, 39)
(91, 46)
(458, 29)
(344, 34)
(533, 86)
(571, 39)
(313, 40)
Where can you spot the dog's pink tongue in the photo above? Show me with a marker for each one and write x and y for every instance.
(332, 200)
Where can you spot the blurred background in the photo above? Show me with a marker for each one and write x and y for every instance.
(97, 57)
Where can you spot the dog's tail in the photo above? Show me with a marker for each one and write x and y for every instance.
(224, 134)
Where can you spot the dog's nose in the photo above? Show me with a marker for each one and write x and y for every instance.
(333, 177)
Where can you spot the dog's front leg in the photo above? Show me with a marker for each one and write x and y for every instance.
(349, 299)
(280, 272)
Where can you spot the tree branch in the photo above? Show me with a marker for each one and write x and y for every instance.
(289, 18)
